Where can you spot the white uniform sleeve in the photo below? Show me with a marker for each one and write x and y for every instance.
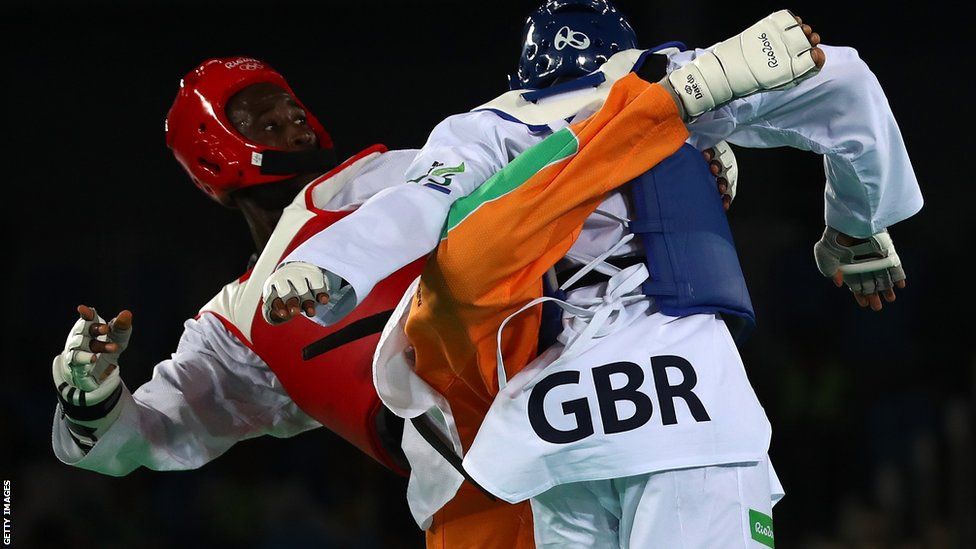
(403, 223)
(843, 114)
(213, 393)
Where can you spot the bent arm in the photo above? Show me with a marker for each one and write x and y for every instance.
(211, 394)
(843, 114)
(403, 223)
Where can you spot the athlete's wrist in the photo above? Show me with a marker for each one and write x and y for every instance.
(87, 423)
(848, 240)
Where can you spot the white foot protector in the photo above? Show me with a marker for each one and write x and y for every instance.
(773, 54)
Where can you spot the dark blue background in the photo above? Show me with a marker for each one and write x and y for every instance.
(872, 413)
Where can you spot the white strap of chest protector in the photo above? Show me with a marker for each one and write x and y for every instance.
(599, 266)
(593, 318)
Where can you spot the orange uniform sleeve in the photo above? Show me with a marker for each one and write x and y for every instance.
(500, 240)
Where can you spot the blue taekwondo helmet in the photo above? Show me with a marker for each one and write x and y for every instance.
(569, 39)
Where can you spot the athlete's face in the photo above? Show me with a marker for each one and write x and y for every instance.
(270, 116)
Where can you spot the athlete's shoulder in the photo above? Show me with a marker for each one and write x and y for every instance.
(389, 162)
(380, 172)
(356, 180)
(472, 127)
(542, 109)
(538, 109)
(321, 190)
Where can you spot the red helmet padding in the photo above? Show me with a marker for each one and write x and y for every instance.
(215, 155)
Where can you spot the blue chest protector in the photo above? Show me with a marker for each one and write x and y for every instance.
(690, 254)
(677, 213)
(691, 257)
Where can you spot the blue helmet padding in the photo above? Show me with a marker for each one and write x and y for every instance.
(569, 39)
(595, 78)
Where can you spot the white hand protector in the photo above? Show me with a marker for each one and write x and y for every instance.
(869, 267)
(730, 168)
(82, 378)
(296, 279)
(770, 55)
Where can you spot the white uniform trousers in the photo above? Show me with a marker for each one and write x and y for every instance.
(717, 507)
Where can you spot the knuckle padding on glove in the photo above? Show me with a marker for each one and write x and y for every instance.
(716, 90)
(76, 341)
(868, 267)
(304, 282)
(796, 40)
(782, 75)
(882, 281)
(759, 58)
(867, 283)
(730, 169)
(784, 19)
(741, 81)
(292, 292)
(280, 289)
(854, 283)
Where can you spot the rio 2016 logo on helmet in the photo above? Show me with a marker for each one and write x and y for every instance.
(569, 39)
(217, 158)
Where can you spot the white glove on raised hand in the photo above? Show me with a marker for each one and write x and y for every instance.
(869, 266)
(774, 54)
(292, 288)
(86, 371)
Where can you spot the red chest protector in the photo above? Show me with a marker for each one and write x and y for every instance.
(327, 371)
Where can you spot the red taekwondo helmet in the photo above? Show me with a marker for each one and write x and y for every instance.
(218, 159)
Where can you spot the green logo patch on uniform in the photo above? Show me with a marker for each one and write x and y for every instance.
(551, 150)
(761, 526)
(438, 174)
